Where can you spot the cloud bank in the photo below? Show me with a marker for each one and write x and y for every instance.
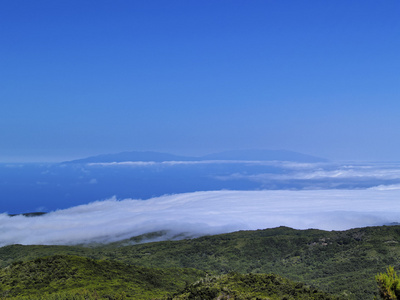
(201, 213)
(309, 175)
(297, 171)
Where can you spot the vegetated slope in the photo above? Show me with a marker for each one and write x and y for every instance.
(60, 274)
(71, 277)
(340, 262)
(14, 253)
(250, 286)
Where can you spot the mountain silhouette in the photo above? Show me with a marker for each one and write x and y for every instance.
(246, 155)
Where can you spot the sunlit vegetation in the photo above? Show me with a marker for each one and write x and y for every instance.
(343, 263)
(72, 275)
(250, 286)
(389, 284)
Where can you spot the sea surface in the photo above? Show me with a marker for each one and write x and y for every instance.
(106, 202)
(43, 187)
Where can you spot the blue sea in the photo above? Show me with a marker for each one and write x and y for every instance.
(48, 187)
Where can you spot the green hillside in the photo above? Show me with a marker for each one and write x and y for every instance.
(339, 262)
(109, 279)
(250, 286)
(71, 277)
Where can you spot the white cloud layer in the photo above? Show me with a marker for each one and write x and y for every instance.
(201, 213)
(356, 173)
(290, 170)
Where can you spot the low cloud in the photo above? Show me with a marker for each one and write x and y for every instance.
(323, 172)
(383, 187)
(201, 213)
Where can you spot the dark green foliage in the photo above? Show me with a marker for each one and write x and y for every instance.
(76, 278)
(73, 274)
(12, 253)
(74, 295)
(332, 261)
(250, 286)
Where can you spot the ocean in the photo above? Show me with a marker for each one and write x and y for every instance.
(43, 187)
(86, 202)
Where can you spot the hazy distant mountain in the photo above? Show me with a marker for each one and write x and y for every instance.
(263, 155)
(282, 155)
(133, 156)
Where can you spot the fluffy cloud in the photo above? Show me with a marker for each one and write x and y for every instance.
(323, 172)
(203, 213)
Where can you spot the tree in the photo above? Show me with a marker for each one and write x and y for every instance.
(388, 284)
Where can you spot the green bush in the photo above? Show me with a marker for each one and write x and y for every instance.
(388, 284)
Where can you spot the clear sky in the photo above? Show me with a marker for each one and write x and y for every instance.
(80, 78)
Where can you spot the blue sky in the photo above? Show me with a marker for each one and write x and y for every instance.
(80, 78)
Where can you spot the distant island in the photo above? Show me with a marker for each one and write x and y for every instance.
(244, 155)
(31, 214)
